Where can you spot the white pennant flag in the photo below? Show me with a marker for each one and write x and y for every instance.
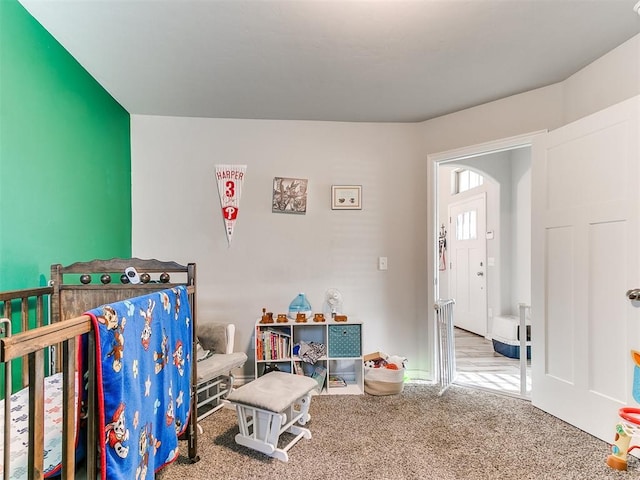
(230, 179)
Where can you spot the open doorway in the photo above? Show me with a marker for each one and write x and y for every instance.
(486, 355)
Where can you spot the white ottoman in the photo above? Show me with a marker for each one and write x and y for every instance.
(270, 406)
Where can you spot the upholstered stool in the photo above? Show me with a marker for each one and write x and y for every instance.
(270, 406)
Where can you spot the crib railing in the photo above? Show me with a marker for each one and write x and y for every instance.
(446, 344)
(32, 312)
(32, 345)
(5, 329)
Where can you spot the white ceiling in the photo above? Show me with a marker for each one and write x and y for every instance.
(348, 60)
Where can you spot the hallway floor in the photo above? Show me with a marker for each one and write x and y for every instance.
(478, 365)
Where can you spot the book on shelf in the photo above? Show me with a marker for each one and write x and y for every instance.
(336, 381)
(297, 367)
(319, 375)
(272, 344)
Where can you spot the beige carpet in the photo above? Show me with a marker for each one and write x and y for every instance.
(465, 434)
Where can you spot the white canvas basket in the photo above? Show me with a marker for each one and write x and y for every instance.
(383, 381)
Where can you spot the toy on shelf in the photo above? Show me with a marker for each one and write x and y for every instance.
(267, 317)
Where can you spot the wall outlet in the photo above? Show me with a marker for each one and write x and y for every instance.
(382, 263)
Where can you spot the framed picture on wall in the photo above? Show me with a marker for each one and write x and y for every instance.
(346, 197)
(289, 195)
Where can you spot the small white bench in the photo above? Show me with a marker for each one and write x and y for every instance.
(270, 406)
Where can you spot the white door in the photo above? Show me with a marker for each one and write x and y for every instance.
(467, 263)
(585, 242)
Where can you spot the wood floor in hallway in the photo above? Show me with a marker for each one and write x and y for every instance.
(478, 365)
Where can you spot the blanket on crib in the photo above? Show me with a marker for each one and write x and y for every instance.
(144, 381)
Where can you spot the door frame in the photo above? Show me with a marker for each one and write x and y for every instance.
(433, 161)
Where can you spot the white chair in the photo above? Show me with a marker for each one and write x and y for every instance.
(216, 361)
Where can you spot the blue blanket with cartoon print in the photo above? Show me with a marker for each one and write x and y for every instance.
(143, 349)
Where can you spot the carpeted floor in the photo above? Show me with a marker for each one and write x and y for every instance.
(464, 434)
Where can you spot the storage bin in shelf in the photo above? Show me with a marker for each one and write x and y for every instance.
(345, 340)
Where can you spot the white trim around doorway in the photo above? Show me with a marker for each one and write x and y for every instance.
(462, 153)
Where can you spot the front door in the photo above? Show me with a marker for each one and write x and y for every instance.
(467, 263)
(585, 243)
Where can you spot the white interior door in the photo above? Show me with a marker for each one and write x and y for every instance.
(585, 242)
(468, 264)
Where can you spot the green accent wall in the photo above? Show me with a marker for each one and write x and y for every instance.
(65, 158)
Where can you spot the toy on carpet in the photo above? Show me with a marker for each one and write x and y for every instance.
(629, 425)
(627, 428)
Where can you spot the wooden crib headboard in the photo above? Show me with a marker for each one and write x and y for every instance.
(82, 286)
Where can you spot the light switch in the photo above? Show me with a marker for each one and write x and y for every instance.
(382, 263)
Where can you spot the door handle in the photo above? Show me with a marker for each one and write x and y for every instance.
(480, 274)
(633, 294)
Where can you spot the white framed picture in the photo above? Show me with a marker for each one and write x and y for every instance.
(346, 197)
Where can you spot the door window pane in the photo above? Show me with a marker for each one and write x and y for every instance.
(467, 225)
(473, 232)
(464, 180)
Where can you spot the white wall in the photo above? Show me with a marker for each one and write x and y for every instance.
(611, 79)
(273, 256)
(176, 215)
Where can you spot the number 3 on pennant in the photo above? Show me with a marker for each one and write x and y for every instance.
(230, 189)
(230, 213)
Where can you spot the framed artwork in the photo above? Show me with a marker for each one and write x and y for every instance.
(346, 197)
(289, 195)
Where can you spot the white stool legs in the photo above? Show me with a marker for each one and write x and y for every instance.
(261, 429)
